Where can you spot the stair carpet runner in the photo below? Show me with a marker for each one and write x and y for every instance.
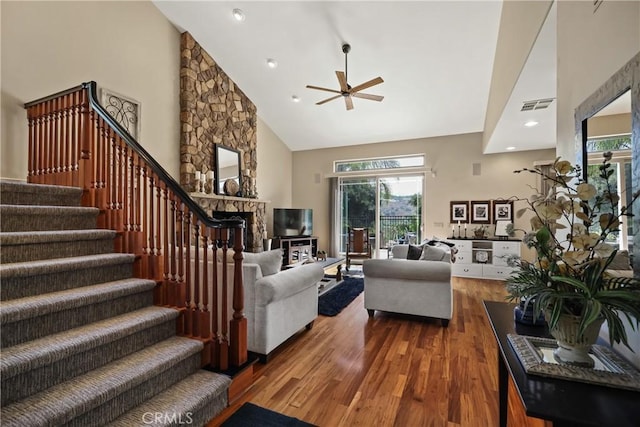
(81, 342)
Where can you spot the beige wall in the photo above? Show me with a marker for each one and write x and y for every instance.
(614, 124)
(520, 24)
(451, 157)
(586, 59)
(274, 172)
(128, 47)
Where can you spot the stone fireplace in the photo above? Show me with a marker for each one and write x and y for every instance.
(213, 110)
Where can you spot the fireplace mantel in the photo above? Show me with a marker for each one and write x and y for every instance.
(256, 226)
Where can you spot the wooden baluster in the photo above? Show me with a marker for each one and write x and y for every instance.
(204, 320)
(64, 117)
(147, 230)
(49, 143)
(173, 279)
(55, 141)
(75, 139)
(239, 322)
(41, 149)
(195, 274)
(31, 151)
(222, 306)
(186, 273)
(180, 291)
(215, 300)
(167, 248)
(86, 165)
(157, 265)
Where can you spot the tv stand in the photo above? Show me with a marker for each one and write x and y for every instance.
(296, 248)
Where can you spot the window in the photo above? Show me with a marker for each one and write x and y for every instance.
(382, 163)
(620, 147)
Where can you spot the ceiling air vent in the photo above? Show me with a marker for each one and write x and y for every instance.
(537, 104)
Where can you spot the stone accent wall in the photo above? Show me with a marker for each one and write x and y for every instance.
(213, 110)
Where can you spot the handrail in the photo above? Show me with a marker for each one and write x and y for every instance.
(74, 141)
(157, 168)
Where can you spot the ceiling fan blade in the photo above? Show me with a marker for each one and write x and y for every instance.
(368, 96)
(328, 99)
(349, 102)
(342, 79)
(323, 88)
(365, 85)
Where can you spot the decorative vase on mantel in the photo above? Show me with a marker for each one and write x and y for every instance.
(573, 349)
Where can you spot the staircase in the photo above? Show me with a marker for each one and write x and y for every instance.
(82, 343)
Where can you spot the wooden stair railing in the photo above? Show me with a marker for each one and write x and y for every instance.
(74, 141)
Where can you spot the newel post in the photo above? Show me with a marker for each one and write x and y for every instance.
(238, 330)
(85, 167)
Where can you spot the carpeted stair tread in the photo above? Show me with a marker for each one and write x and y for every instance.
(190, 396)
(39, 237)
(52, 348)
(33, 218)
(23, 279)
(63, 402)
(56, 265)
(39, 305)
(23, 193)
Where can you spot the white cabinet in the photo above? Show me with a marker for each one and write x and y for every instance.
(485, 259)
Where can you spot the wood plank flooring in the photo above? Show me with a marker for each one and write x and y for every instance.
(392, 370)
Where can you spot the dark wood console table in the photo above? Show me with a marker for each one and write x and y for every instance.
(565, 403)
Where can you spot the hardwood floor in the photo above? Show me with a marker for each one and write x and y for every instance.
(391, 370)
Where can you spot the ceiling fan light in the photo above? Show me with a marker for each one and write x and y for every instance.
(238, 14)
(272, 63)
(531, 123)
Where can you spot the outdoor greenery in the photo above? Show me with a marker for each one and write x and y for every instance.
(569, 274)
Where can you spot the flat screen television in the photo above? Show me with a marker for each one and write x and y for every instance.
(288, 222)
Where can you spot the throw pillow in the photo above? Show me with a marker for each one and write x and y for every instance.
(270, 262)
(414, 252)
(620, 261)
(433, 253)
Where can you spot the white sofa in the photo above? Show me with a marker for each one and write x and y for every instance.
(277, 304)
(280, 304)
(419, 287)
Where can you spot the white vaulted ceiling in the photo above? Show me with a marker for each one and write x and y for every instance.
(436, 59)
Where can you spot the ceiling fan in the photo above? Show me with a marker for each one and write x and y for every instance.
(346, 91)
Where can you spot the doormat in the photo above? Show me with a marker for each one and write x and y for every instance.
(332, 302)
(250, 415)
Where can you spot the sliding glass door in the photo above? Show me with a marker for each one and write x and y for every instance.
(389, 206)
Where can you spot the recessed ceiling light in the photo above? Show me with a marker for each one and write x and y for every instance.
(272, 63)
(511, 148)
(295, 98)
(238, 14)
(531, 123)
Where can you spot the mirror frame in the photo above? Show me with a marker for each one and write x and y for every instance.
(216, 179)
(626, 78)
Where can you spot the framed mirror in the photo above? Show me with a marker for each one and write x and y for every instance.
(609, 120)
(227, 171)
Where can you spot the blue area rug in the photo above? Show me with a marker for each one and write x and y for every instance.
(250, 415)
(332, 302)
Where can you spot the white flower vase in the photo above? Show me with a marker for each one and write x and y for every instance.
(573, 349)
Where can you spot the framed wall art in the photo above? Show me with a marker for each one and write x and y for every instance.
(459, 212)
(503, 210)
(481, 212)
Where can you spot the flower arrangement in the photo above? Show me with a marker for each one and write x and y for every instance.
(569, 230)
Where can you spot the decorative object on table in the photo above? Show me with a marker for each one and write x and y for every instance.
(611, 370)
(481, 212)
(504, 229)
(571, 224)
(321, 256)
(459, 212)
(503, 210)
(523, 314)
(480, 232)
(231, 187)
